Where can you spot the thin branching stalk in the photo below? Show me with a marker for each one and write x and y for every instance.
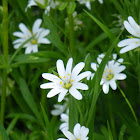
(71, 34)
(127, 101)
(5, 51)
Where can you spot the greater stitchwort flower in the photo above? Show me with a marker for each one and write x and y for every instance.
(86, 2)
(59, 109)
(67, 81)
(133, 42)
(80, 133)
(50, 4)
(38, 33)
(112, 72)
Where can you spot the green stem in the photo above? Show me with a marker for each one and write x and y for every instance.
(5, 50)
(73, 113)
(71, 34)
(134, 115)
(112, 122)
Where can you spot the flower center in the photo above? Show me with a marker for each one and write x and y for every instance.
(110, 76)
(66, 81)
(34, 41)
(67, 85)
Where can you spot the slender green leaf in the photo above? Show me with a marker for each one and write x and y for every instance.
(29, 99)
(3, 132)
(49, 129)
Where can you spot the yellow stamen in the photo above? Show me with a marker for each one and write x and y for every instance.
(104, 71)
(109, 70)
(64, 77)
(68, 74)
(136, 42)
(60, 82)
(69, 84)
(103, 76)
(106, 68)
(59, 76)
(131, 37)
(71, 80)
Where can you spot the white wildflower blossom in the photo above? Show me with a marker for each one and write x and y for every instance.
(86, 2)
(112, 72)
(68, 80)
(94, 66)
(38, 33)
(59, 109)
(133, 42)
(50, 4)
(79, 133)
(65, 120)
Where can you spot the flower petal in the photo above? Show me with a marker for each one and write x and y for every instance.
(130, 29)
(133, 23)
(130, 47)
(76, 131)
(81, 86)
(88, 5)
(84, 132)
(43, 41)
(69, 66)
(47, 85)
(77, 69)
(28, 50)
(60, 68)
(69, 135)
(53, 92)
(82, 75)
(113, 85)
(18, 34)
(23, 28)
(94, 66)
(50, 77)
(75, 93)
(129, 41)
(105, 88)
(62, 95)
(36, 26)
(120, 76)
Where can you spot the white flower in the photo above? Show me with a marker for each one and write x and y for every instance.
(59, 109)
(68, 80)
(86, 2)
(133, 42)
(80, 133)
(65, 120)
(50, 4)
(112, 72)
(94, 66)
(100, 1)
(38, 33)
